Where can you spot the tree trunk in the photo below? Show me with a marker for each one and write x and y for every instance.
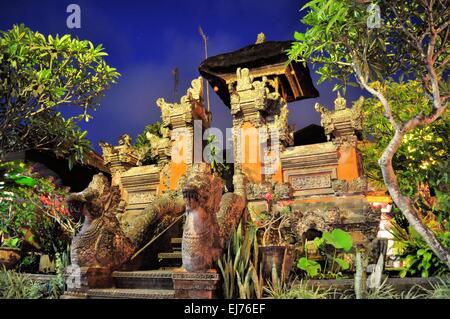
(404, 203)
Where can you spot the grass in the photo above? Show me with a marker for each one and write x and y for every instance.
(301, 289)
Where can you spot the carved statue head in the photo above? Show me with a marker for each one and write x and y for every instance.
(202, 189)
(91, 201)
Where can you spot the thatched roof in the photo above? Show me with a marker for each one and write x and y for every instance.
(267, 58)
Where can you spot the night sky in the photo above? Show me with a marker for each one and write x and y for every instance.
(146, 40)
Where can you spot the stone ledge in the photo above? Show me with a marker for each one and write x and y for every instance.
(189, 285)
(130, 294)
(143, 274)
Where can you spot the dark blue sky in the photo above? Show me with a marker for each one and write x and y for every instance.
(145, 40)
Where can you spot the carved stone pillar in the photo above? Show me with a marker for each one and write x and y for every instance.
(177, 149)
(342, 127)
(260, 127)
(119, 158)
(137, 183)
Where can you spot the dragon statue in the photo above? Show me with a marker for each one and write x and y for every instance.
(210, 218)
(101, 241)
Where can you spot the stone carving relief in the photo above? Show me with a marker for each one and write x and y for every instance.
(160, 146)
(304, 182)
(239, 183)
(125, 141)
(312, 219)
(256, 191)
(243, 79)
(283, 190)
(195, 92)
(358, 185)
(107, 152)
(281, 126)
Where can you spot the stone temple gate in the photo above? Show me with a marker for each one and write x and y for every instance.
(324, 181)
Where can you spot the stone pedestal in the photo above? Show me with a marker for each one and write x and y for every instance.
(190, 285)
(80, 279)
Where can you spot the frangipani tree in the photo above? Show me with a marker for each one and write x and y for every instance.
(410, 42)
(39, 75)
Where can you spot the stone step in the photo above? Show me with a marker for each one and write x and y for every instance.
(114, 293)
(169, 268)
(176, 244)
(143, 279)
(170, 259)
(172, 255)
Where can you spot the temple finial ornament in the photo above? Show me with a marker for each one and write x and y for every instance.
(261, 38)
(244, 79)
(176, 115)
(340, 103)
(125, 140)
(196, 89)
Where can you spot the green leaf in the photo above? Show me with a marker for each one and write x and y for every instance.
(318, 241)
(299, 36)
(342, 263)
(311, 267)
(13, 48)
(339, 238)
(26, 181)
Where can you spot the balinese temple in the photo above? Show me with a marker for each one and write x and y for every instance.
(318, 169)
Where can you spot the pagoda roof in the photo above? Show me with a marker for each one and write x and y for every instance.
(264, 59)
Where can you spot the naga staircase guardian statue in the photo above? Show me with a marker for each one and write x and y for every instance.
(101, 241)
(210, 218)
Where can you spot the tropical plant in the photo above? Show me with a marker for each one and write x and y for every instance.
(382, 291)
(32, 209)
(239, 266)
(422, 160)
(16, 212)
(143, 144)
(409, 43)
(38, 76)
(15, 285)
(417, 256)
(272, 221)
(438, 290)
(11, 242)
(215, 156)
(298, 290)
(330, 245)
